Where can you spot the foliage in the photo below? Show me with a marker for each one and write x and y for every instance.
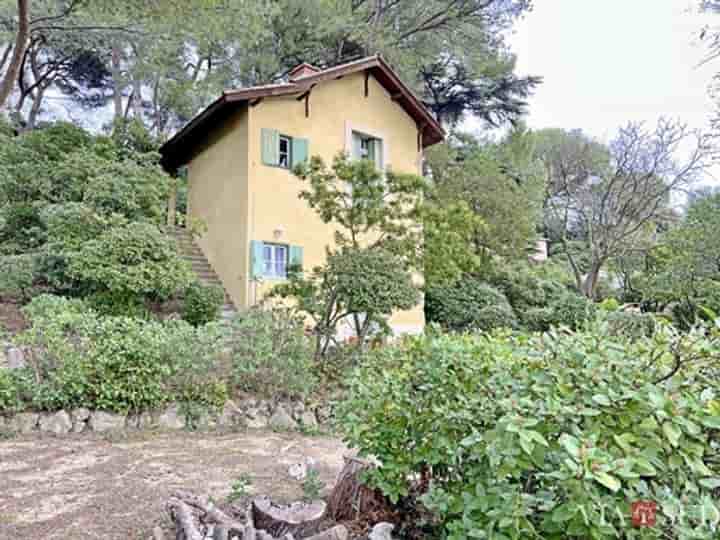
(18, 274)
(83, 359)
(549, 436)
(631, 325)
(135, 260)
(362, 286)
(271, 355)
(367, 207)
(500, 183)
(469, 304)
(312, 486)
(202, 303)
(21, 230)
(240, 488)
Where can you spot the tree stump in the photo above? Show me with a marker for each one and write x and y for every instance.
(350, 499)
(299, 519)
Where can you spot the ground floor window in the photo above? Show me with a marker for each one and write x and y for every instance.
(275, 260)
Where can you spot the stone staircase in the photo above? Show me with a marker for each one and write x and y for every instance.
(202, 269)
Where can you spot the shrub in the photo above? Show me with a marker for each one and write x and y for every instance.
(271, 354)
(468, 304)
(136, 260)
(22, 229)
(571, 310)
(631, 325)
(117, 363)
(202, 303)
(551, 436)
(18, 274)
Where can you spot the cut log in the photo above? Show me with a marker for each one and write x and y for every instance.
(184, 520)
(338, 532)
(299, 519)
(210, 512)
(351, 499)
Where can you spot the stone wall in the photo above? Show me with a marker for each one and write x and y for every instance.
(246, 413)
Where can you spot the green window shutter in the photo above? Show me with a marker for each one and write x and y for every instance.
(299, 151)
(296, 256)
(270, 146)
(256, 259)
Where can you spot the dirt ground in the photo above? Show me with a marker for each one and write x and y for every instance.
(90, 486)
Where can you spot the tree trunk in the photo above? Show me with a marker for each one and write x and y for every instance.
(35, 109)
(298, 519)
(137, 100)
(351, 499)
(589, 285)
(21, 43)
(117, 83)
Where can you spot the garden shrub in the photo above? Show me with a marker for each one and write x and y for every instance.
(136, 260)
(548, 436)
(22, 229)
(202, 303)
(469, 304)
(18, 274)
(117, 363)
(271, 355)
(630, 324)
(571, 310)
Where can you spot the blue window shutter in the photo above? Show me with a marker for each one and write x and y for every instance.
(300, 149)
(256, 259)
(296, 256)
(270, 146)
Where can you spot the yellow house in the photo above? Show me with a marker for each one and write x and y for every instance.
(240, 150)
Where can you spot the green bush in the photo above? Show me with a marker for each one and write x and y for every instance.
(18, 274)
(22, 229)
(271, 354)
(136, 260)
(571, 310)
(548, 436)
(117, 363)
(202, 303)
(468, 304)
(631, 325)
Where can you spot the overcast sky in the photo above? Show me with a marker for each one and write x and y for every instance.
(607, 62)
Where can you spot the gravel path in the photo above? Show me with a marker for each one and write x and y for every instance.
(89, 486)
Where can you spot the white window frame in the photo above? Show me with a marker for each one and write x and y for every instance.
(273, 260)
(288, 140)
(370, 133)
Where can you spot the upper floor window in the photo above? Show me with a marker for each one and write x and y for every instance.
(275, 259)
(282, 150)
(368, 147)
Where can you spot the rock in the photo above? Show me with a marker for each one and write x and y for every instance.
(338, 532)
(171, 418)
(297, 408)
(79, 418)
(101, 421)
(381, 531)
(231, 415)
(324, 414)
(23, 422)
(255, 414)
(14, 358)
(307, 419)
(141, 421)
(281, 419)
(57, 423)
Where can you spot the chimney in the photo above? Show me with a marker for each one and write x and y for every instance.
(303, 70)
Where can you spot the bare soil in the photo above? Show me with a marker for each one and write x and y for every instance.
(90, 486)
(11, 318)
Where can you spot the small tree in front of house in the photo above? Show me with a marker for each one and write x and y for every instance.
(367, 276)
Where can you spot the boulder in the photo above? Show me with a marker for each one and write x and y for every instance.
(23, 422)
(324, 414)
(57, 423)
(14, 358)
(255, 415)
(231, 415)
(141, 421)
(171, 418)
(79, 418)
(281, 419)
(381, 531)
(308, 420)
(101, 421)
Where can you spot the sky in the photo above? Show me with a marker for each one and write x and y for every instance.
(608, 62)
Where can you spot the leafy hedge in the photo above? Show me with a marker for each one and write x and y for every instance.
(83, 359)
(202, 303)
(549, 437)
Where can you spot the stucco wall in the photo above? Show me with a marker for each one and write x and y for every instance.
(218, 194)
(336, 107)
